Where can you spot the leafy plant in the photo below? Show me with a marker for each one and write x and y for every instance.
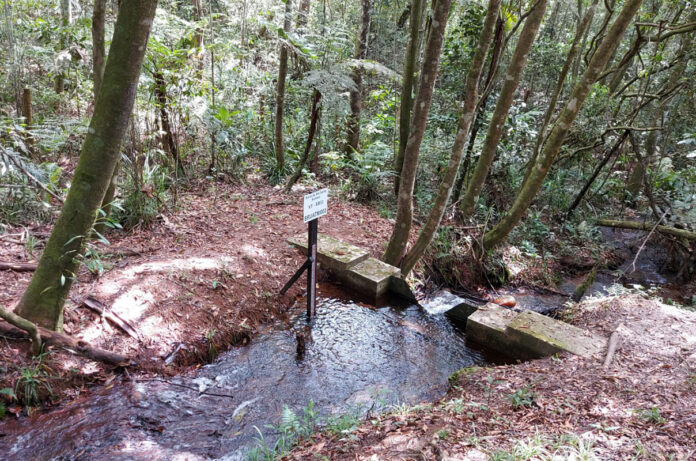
(651, 415)
(33, 379)
(522, 398)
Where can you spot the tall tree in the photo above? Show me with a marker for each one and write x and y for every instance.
(431, 61)
(560, 129)
(502, 107)
(407, 86)
(465, 119)
(66, 21)
(98, 47)
(280, 88)
(356, 94)
(45, 296)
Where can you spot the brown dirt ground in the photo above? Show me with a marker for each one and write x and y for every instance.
(640, 407)
(204, 277)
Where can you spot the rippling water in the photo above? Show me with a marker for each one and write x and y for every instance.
(357, 358)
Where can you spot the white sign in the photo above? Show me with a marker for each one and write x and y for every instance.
(315, 204)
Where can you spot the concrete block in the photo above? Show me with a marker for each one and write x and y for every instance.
(487, 327)
(369, 277)
(546, 336)
(333, 254)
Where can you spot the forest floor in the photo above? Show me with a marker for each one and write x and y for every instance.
(563, 407)
(202, 279)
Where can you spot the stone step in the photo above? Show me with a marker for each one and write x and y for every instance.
(529, 335)
(548, 336)
(333, 254)
(371, 277)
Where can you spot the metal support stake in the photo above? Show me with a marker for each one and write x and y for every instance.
(312, 230)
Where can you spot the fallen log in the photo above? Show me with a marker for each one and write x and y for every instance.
(97, 306)
(613, 345)
(70, 344)
(17, 267)
(647, 226)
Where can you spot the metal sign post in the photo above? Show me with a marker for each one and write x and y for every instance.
(315, 206)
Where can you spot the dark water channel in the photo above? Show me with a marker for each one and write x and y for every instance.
(358, 359)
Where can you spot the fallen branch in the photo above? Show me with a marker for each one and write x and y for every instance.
(25, 325)
(17, 267)
(613, 345)
(96, 306)
(34, 180)
(689, 235)
(70, 344)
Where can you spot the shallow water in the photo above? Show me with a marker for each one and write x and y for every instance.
(358, 359)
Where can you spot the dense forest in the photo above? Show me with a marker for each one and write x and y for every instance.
(153, 160)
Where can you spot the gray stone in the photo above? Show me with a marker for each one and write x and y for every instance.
(487, 327)
(546, 336)
(333, 254)
(370, 277)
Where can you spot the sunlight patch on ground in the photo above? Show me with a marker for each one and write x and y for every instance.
(254, 251)
(132, 304)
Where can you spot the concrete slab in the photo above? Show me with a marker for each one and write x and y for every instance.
(399, 286)
(333, 254)
(546, 336)
(487, 327)
(370, 277)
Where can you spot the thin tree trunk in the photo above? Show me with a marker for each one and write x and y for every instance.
(610, 154)
(197, 16)
(502, 107)
(356, 94)
(560, 129)
(45, 296)
(303, 13)
(280, 90)
(407, 86)
(66, 21)
(431, 60)
(570, 58)
(98, 47)
(168, 141)
(28, 115)
(314, 119)
(481, 107)
(470, 102)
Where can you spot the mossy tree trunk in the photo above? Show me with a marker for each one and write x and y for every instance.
(45, 296)
(513, 75)
(431, 60)
(467, 115)
(98, 47)
(280, 90)
(408, 83)
(356, 94)
(560, 129)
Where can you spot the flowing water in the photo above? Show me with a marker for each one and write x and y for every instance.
(355, 359)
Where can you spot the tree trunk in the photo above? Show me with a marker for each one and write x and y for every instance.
(431, 60)
(66, 21)
(560, 129)
(98, 47)
(280, 90)
(502, 107)
(407, 87)
(647, 226)
(314, 119)
(481, 107)
(570, 59)
(614, 149)
(465, 119)
(303, 13)
(356, 94)
(45, 296)
(197, 16)
(168, 142)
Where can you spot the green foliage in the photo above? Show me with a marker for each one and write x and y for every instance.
(291, 429)
(522, 398)
(32, 383)
(651, 415)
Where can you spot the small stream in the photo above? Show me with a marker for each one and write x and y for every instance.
(359, 359)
